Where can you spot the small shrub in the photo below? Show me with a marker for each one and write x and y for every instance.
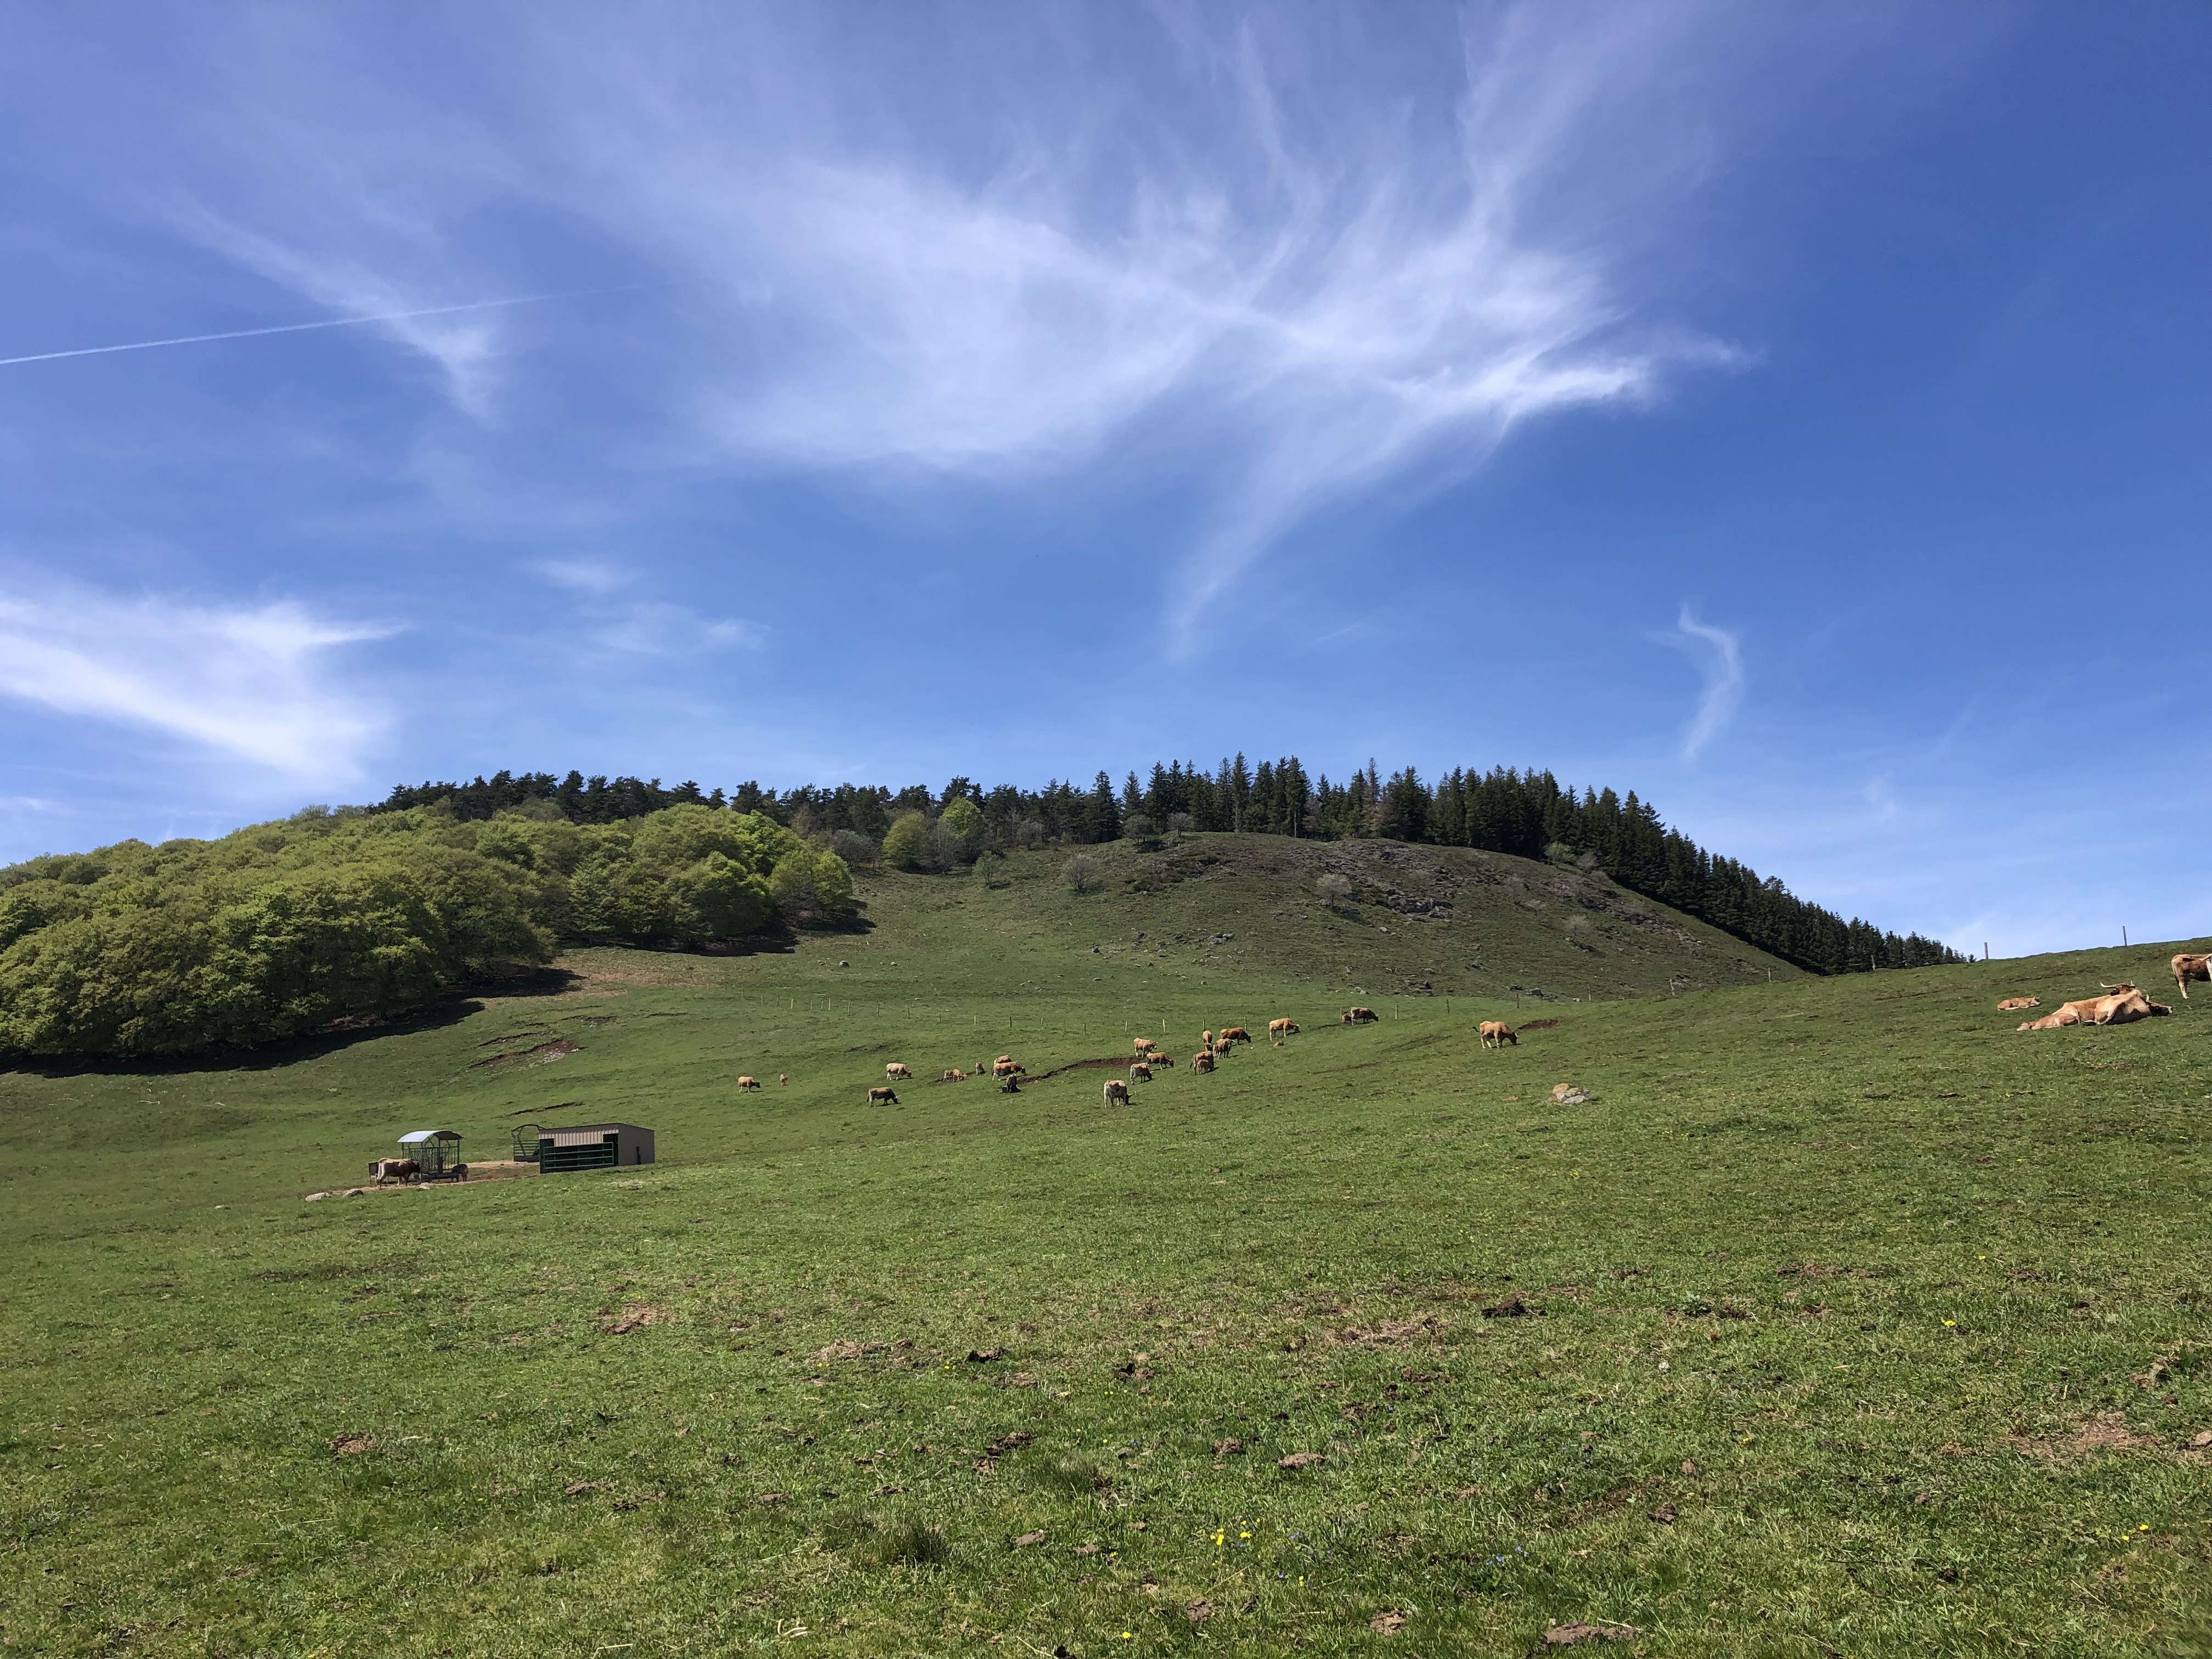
(1335, 890)
(1081, 872)
(991, 868)
(1140, 829)
(854, 847)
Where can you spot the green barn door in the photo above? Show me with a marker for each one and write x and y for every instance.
(559, 1160)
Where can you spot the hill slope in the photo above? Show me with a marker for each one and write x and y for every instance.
(1843, 1314)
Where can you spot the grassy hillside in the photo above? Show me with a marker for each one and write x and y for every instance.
(1842, 1318)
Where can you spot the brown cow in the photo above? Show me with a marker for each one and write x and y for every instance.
(1144, 1045)
(2123, 1007)
(1012, 1085)
(783, 1077)
(955, 1075)
(882, 1097)
(1360, 1017)
(1140, 1072)
(1203, 1061)
(895, 1070)
(749, 1082)
(394, 1169)
(1205, 1039)
(1233, 1034)
(1282, 1028)
(1496, 1034)
(2186, 967)
(1160, 1057)
(2014, 1005)
(1117, 1091)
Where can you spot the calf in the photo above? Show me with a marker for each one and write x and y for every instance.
(1140, 1072)
(882, 1097)
(1496, 1034)
(955, 1075)
(2014, 1005)
(749, 1082)
(1203, 1061)
(2186, 967)
(1117, 1093)
(895, 1070)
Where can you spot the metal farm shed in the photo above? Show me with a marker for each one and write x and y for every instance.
(593, 1146)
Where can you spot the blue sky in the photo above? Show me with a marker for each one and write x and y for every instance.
(1797, 414)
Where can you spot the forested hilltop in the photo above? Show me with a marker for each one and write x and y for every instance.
(285, 928)
(1525, 813)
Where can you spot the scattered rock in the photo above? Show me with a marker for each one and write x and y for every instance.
(1229, 1448)
(984, 1356)
(577, 1489)
(1664, 1515)
(1027, 1539)
(1566, 1636)
(1511, 1307)
(633, 1315)
(773, 1499)
(2202, 1437)
(843, 1348)
(1006, 1443)
(1198, 1611)
(352, 1445)
(1387, 1624)
(1084, 1549)
(1688, 1467)
(1300, 1461)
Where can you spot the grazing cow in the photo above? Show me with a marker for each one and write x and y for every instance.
(2014, 1005)
(1012, 1085)
(1203, 1061)
(1005, 1066)
(1205, 1039)
(1117, 1093)
(1233, 1034)
(394, 1169)
(749, 1082)
(2186, 967)
(1144, 1045)
(1496, 1034)
(2123, 1007)
(882, 1097)
(895, 1070)
(1160, 1057)
(783, 1077)
(1140, 1072)
(1360, 1017)
(1282, 1028)
(1004, 1060)
(955, 1075)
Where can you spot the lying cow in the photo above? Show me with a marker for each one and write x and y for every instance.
(2014, 1005)
(1117, 1093)
(882, 1097)
(1282, 1028)
(2124, 1005)
(1140, 1072)
(1232, 1033)
(955, 1075)
(394, 1169)
(748, 1083)
(1496, 1034)
(1360, 1017)
(2186, 967)
(894, 1071)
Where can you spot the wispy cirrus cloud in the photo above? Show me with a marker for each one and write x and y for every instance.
(1718, 654)
(1203, 251)
(253, 683)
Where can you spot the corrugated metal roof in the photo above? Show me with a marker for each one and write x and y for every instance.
(417, 1137)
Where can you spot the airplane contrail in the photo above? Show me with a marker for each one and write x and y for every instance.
(295, 328)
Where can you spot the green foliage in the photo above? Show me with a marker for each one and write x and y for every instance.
(906, 843)
(283, 928)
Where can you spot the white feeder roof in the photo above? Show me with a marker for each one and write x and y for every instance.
(417, 1137)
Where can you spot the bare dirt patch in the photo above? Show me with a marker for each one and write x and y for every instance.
(633, 1316)
(2107, 1431)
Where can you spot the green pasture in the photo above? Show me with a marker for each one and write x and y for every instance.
(1841, 1320)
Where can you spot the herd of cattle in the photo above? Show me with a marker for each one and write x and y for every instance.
(2121, 1004)
(1213, 1047)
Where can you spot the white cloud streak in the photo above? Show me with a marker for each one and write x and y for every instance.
(1716, 652)
(253, 683)
(1238, 264)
